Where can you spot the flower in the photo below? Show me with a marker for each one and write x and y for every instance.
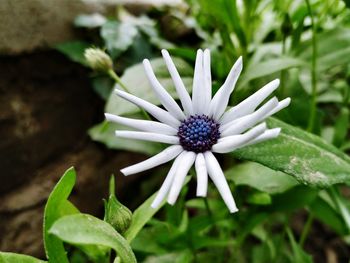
(202, 128)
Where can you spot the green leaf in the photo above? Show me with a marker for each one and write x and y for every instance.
(341, 127)
(7, 257)
(105, 133)
(293, 199)
(140, 217)
(307, 157)
(259, 198)
(299, 255)
(341, 206)
(211, 242)
(118, 36)
(347, 3)
(137, 83)
(327, 215)
(260, 177)
(95, 253)
(268, 67)
(103, 86)
(146, 242)
(56, 207)
(185, 256)
(332, 48)
(74, 50)
(83, 229)
(338, 57)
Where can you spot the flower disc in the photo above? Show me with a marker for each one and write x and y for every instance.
(198, 133)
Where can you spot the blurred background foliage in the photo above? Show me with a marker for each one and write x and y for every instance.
(304, 43)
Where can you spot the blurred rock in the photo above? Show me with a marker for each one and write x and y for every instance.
(28, 25)
(46, 106)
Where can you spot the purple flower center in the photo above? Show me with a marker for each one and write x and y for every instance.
(198, 133)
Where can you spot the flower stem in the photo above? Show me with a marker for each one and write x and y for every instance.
(313, 105)
(306, 230)
(117, 79)
(283, 73)
(211, 217)
(210, 214)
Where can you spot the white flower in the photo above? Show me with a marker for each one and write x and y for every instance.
(200, 128)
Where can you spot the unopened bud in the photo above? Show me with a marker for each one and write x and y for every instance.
(117, 215)
(98, 60)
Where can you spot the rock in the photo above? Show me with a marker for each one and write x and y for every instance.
(28, 25)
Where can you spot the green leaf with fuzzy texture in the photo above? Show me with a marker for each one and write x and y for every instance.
(307, 157)
(57, 206)
(260, 177)
(7, 257)
(83, 229)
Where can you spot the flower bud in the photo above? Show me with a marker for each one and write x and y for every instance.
(117, 215)
(98, 60)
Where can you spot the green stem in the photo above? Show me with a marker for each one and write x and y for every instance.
(210, 214)
(313, 105)
(306, 230)
(116, 78)
(211, 217)
(283, 73)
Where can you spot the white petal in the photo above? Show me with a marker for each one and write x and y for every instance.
(281, 105)
(167, 101)
(267, 135)
(222, 96)
(164, 156)
(198, 83)
(155, 111)
(164, 189)
(242, 124)
(202, 175)
(143, 125)
(148, 136)
(179, 85)
(230, 143)
(180, 175)
(206, 93)
(248, 105)
(219, 180)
